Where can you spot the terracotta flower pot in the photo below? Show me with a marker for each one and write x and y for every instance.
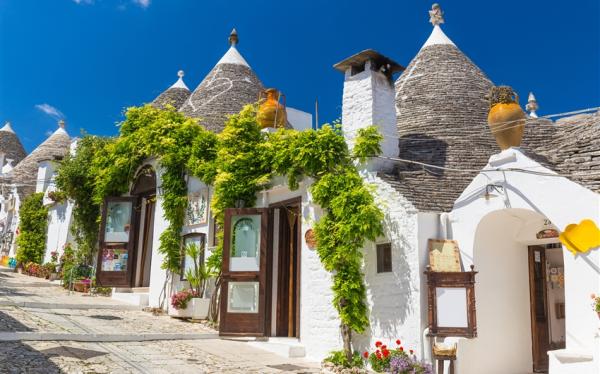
(506, 118)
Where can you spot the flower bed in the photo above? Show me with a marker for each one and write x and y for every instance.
(396, 360)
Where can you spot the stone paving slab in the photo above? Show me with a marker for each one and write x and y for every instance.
(99, 338)
(155, 344)
(145, 357)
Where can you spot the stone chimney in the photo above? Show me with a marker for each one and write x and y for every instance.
(368, 99)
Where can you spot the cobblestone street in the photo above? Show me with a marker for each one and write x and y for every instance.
(38, 318)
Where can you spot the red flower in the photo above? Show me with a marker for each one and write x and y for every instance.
(378, 355)
(411, 351)
(378, 344)
(383, 347)
(402, 348)
(386, 353)
(398, 341)
(366, 354)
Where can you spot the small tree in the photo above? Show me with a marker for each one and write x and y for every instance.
(33, 223)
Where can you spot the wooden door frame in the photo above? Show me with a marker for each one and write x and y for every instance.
(296, 201)
(535, 348)
(243, 276)
(139, 244)
(130, 245)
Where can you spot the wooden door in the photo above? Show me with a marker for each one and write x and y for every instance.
(117, 238)
(244, 269)
(146, 250)
(539, 310)
(287, 273)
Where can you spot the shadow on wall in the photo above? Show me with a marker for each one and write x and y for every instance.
(61, 212)
(389, 294)
(422, 148)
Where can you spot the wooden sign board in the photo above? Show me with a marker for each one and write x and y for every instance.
(444, 255)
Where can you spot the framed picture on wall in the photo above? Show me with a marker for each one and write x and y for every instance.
(187, 262)
(197, 208)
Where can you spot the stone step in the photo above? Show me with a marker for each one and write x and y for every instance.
(140, 299)
(285, 347)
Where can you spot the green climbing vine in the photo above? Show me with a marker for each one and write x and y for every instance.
(240, 162)
(33, 223)
(75, 180)
(246, 162)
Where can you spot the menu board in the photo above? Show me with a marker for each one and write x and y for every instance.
(444, 255)
(114, 259)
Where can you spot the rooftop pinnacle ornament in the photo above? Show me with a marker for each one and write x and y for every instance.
(506, 118)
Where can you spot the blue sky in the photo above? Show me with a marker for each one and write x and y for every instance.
(89, 59)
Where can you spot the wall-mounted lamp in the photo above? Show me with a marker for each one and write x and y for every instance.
(490, 188)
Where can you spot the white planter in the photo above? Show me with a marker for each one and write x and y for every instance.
(199, 308)
(181, 313)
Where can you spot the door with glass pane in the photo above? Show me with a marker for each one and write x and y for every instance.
(244, 272)
(115, 254)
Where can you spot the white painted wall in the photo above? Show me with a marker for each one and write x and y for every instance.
(157, 274)
(560, 200)
(368, 99)
(298, 119)
(394, 299)
(503, 343)
(57, 235)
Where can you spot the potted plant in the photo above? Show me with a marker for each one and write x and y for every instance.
(197, 277)
(596, 304)
(193, 301)
(180, 302)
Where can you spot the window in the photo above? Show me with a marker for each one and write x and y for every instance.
(384, 258)
(187, 262)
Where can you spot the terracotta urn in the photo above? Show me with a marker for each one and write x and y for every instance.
(271, 113)
(506, 118)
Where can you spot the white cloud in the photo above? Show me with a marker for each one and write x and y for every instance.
(50, 110)
(142, 3)
(84, 1)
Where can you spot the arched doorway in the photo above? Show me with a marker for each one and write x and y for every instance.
(144, 189)
(520, 311)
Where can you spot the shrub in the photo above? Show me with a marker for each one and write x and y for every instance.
(33, 221)
(338, 358)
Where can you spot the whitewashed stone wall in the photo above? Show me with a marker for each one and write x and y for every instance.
(58, 234)
(395, 298)
(368, 99)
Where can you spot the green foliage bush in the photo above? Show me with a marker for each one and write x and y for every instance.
(338, 358)
(33, 223)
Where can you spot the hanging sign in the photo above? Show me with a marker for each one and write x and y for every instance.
(547, 234)
(444, 255)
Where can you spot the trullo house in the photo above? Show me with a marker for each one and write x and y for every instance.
(470, 261)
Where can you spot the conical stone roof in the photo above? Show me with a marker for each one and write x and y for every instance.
(441, 110)
(229, 86)
(10, 145)
(24, 175)
(175, 95)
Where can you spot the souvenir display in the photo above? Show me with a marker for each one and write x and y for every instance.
(114, 259)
